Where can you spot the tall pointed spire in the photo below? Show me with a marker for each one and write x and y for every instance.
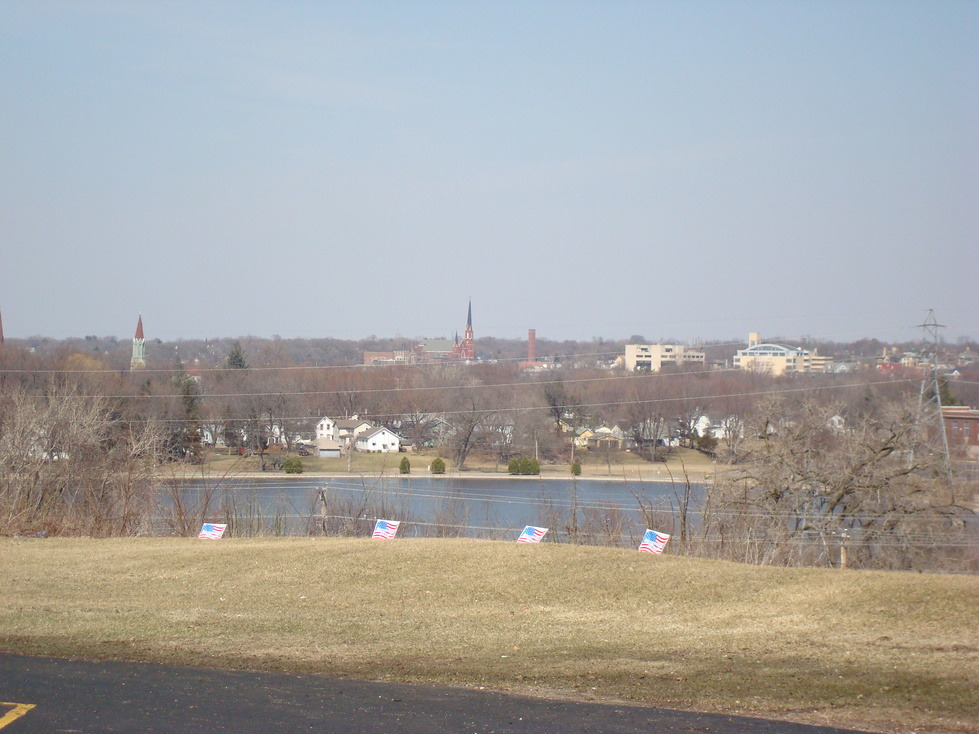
(467, 349)
(139, 346)
(1, 328)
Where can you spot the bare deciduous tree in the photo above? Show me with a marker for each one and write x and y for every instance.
(811, 483)
(70, 467)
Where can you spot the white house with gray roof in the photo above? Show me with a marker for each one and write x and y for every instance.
(379, 441)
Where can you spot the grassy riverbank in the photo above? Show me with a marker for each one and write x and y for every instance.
(621, 465)
(885, 651)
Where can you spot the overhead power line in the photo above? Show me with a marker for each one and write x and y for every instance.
(491, 411)
(409, 388)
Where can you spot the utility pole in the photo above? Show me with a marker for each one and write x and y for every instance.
(929, 418)
(324, 506)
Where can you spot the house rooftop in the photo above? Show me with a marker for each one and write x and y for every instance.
(350, 422)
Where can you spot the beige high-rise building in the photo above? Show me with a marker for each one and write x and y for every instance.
(653, 357)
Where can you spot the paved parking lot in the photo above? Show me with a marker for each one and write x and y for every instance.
(82, 696)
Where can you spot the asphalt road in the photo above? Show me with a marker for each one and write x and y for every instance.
(81, 696)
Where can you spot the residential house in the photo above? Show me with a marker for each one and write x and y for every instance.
(582, 436)
(613, 431)
(720, 429)
(427, 429)
(276, 435)
(327, 428)
(657, 433)
(348, 429)
(604, 442)
(379, 441)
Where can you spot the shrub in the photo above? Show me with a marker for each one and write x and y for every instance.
(707, 443)
(293, 465)
(514, 466)
(405, 466)
(438, 465)
(529, 466)
(576, 469)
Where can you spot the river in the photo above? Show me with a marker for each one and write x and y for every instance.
(613, 510)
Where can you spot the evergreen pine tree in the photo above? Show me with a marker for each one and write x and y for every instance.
(236, 358)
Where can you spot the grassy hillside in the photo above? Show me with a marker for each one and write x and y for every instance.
(886, 651)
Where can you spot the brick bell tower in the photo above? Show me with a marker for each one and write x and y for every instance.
(466, 349)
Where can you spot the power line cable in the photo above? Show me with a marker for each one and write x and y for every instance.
(534, 408)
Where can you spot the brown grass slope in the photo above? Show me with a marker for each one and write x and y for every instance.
(886, 651)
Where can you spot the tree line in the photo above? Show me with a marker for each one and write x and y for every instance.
(826, 459)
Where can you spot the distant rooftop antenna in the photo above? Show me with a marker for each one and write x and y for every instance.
(929, 419)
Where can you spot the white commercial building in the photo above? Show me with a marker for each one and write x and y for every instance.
(776, 359)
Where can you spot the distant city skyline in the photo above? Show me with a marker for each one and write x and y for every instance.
(681, 171)
(912, 334)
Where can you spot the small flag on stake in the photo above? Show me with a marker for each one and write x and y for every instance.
(653, 542)
(531, 534)
(211, 531)
(385, 529)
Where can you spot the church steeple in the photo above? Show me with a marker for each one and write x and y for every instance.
(467, 349)
(1, 328)
(139, 359)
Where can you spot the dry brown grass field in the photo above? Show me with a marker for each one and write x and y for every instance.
(893, 652)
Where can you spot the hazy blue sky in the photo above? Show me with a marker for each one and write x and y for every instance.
(670, 169)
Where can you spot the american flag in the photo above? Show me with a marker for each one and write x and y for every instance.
(211, 531)
(531, 534)
(653, 542)
(385, 529)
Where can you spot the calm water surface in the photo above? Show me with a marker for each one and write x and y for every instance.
(474, 507)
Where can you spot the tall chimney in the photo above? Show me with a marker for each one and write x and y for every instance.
(532, 345)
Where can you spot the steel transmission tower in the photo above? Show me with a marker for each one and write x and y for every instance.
(929, 420)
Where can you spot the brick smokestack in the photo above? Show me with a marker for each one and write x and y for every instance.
(532, 345)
